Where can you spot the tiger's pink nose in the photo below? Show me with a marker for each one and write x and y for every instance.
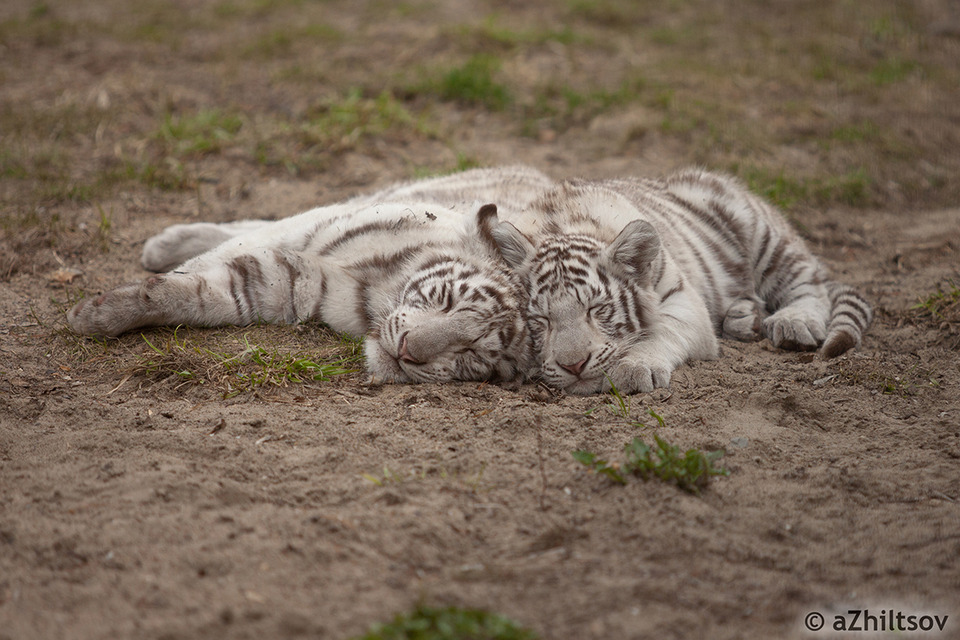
(575, 369)
(405, 354)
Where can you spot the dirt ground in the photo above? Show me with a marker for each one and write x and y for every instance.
(140, 505)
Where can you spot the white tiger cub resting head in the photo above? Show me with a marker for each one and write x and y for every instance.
(597, 314)
(460, 316)
(430, 294)
(629, 279)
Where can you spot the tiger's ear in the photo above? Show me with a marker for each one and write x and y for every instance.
(504, 238)
(637, 245)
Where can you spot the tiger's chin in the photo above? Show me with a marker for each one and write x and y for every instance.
(382, 368)
(588, 387)
(577, 385)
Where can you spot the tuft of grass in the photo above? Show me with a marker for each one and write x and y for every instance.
(341, 123)
(853, 188)
(689, 470)
(449, 623)
(941, 305)
(564, 106)
(205, 132)
(473, 84)
(355, 116)
(252, 368)
(775, 186)
(103, 229)
(619, 405)
(387, 477)
(941, 310)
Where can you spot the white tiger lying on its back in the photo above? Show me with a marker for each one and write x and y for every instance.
(405, 266)
(628, 279)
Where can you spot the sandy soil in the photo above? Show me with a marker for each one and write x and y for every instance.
(134, 506)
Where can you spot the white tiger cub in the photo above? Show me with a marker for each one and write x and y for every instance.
(405, 266)
(630, 278)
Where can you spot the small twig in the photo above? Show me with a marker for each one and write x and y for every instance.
(122, 382)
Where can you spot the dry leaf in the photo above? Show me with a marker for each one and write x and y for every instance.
(63, 276)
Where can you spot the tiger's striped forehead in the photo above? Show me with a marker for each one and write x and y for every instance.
(449, 281)
(566, 262)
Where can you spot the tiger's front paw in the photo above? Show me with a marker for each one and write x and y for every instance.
(638, 377)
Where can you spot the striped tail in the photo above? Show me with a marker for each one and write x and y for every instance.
(850, 315)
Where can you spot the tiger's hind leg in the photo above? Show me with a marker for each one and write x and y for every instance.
(178, 243)
(214, 290)
(792, 284)
(157, 300)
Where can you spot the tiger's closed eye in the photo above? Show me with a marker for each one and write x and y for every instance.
(600, 311)
(540, 321)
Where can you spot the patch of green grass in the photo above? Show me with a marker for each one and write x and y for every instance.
(355, 116)
(564, 106)
(689, 470)
(464, 162)
(449, 623)
(862, 131)
(253, 367)
(204, 132)
(388, 476)
(333, 126)
(167, 173)
(473, 84)
(940, 305)
(782, 191)
(941, 310)
(852, 188)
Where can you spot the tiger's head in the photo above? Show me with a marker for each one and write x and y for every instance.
(590, 292)
(460, 316)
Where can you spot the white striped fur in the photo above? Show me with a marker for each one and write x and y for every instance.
(630, 278)
(404, 266)
(626, 279)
